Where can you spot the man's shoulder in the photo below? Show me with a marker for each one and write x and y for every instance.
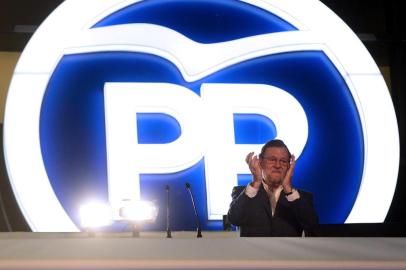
(305, 193)
(237, 190)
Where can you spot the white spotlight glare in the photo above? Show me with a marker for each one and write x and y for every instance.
(95, 214)
(139, 211)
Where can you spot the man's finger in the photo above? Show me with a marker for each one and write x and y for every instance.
(249, 157)
(292, 165)
(292, 161)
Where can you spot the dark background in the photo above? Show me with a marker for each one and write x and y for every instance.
(380, 24)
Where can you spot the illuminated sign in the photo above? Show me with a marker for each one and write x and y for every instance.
(213, 111)
(116, 99)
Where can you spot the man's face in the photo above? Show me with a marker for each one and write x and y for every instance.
(275, 163)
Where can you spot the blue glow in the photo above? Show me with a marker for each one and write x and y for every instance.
(253, 129)
(72, 130)
(155, 128)
(202, 21)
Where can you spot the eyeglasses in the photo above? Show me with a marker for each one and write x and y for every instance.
(273, 160)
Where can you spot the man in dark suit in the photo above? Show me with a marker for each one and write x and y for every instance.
(269, 205)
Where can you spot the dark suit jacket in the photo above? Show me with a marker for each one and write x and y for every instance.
(254, 215)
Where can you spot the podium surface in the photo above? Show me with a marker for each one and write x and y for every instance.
(216, 250)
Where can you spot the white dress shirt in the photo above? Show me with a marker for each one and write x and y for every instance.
(251, 192)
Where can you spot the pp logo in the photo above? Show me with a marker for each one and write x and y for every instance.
(129, 96)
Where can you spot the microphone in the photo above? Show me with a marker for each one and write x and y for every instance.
(168, 227)
(199, 230)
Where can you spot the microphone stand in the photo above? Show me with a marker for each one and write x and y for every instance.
(168, 229)
(199, 230)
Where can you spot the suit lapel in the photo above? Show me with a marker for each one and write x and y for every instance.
(281, 202)
(263, 196)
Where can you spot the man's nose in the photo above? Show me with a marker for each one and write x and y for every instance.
(277, 164)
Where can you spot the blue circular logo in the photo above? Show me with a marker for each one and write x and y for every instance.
(138, 95)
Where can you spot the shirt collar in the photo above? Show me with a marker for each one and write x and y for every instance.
(277, 191)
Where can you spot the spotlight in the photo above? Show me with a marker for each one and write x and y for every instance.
(94, 215)
(138, 212)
